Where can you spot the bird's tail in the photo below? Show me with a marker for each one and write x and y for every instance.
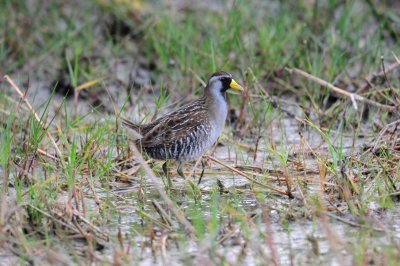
(133, 130)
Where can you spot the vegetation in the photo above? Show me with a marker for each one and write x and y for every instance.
(307, 170)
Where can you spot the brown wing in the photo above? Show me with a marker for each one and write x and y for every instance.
(129, 124)
(173, 126)
(134, 131)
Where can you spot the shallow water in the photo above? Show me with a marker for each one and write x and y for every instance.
(301, 241)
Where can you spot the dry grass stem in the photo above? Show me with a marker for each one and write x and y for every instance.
(353, 97)
(23, 97)
(247, 176)
(170, 205)
(382, 132)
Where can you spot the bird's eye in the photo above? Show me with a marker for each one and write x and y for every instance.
(226, 81)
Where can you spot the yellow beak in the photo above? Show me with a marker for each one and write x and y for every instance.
(235, 86)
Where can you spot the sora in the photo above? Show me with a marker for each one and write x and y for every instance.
(186, 133)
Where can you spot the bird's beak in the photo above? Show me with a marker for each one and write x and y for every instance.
(235, 86)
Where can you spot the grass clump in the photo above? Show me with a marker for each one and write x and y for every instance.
(299, 176)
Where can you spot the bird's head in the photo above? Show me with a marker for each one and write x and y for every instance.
(221, 82)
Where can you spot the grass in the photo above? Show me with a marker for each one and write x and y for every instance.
(320, 190)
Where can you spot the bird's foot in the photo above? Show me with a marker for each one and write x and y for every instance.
(166, 173)
(203, 166)
(180, 172)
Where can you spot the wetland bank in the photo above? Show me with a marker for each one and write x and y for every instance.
(306, 171)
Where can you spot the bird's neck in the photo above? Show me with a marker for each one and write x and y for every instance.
(217, 105)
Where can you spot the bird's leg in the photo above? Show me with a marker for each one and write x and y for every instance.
(180, 172)
(165, 168)
(166, 172)
(203, 166)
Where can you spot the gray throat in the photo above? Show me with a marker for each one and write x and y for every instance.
(217, 107)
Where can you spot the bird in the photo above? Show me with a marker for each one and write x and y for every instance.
(188, 132)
